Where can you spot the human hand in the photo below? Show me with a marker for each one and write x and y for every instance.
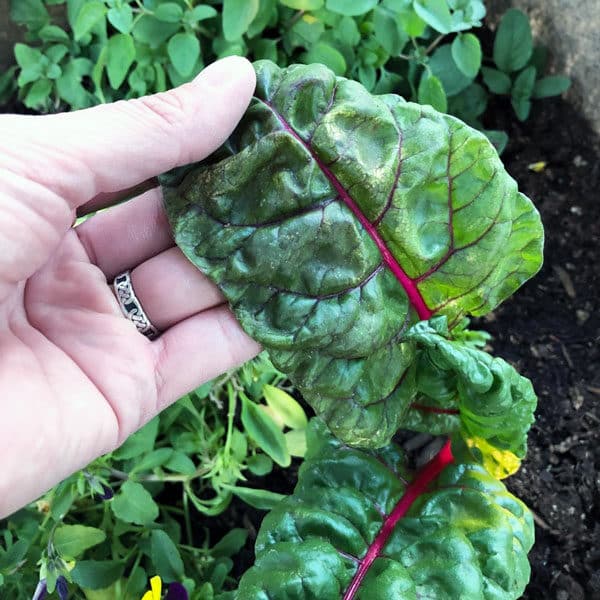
(76, 377)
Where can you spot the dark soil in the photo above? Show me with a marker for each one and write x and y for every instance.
(551, 331)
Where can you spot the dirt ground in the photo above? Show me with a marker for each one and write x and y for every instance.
(551, 331)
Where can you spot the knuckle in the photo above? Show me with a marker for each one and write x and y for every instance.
(168, 107)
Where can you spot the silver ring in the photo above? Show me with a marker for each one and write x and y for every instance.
(131, 307)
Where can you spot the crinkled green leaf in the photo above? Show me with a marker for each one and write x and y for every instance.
(355, 529)
(461, 387)
(333, 220)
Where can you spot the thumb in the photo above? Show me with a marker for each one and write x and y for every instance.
(115, 146)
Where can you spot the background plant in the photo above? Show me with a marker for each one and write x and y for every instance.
(136, 511)
(85, 52)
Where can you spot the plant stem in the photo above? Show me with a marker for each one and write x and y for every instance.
(435, 43)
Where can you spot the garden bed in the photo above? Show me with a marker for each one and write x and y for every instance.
(551, 330)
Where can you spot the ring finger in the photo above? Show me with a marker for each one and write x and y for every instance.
(171, 289)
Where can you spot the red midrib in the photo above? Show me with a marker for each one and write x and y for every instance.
(434, 409)
(417, 487)
(409, 285)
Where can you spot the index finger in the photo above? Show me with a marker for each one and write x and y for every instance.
(108, 148)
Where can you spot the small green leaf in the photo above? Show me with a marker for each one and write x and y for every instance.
(442, 65)
(261, 428)
(153, 32)
(435, 13)
(169, 12)
(184, 51)
(153, 459)
(432, 92)
(230, 544)
(327, 55)
(121, 18)
(120, 54)
(351, 8)
(260, 499)
(388, 32)
(513, 43)
(28, 57)
(524, 83)
(367, 75)
(388, 82)
(96, 574)
(237, 16)
(89, 16)
(57, 52)
(202, 12)
(498, 138)
(70, 541)
(260, 464)
(522, 107)
(296, 442)
(497, 81)
(287, 409)
(134, 504)
(32, 13)
(553, 85)
(52, 33)
(347, 31)
(53, 71)
(303, 4)
(13, 555)
(466, 52)
(181, 463)
(409, 20)
(139, 443)
(38, 94)
(165, 556)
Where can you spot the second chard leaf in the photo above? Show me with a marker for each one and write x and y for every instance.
(360, 526)
(335, 220)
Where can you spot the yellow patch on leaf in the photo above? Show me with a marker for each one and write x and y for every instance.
(498, 463)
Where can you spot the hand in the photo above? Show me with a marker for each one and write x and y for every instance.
(76, 377)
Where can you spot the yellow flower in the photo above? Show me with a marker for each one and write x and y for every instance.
(155, 590)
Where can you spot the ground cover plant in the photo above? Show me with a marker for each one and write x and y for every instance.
(82, 69)
(426, 50)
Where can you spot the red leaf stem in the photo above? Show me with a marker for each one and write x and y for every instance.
(417, 487)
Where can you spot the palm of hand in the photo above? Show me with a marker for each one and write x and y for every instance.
(76, 378)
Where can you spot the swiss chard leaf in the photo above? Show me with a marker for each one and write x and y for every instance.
(333, 220)
(359, 525)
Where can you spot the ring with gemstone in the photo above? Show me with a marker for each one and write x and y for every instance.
(131, 307)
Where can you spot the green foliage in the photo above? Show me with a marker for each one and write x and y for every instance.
(427, 226)
(183, 466)
(361, 525)
(424, 50)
